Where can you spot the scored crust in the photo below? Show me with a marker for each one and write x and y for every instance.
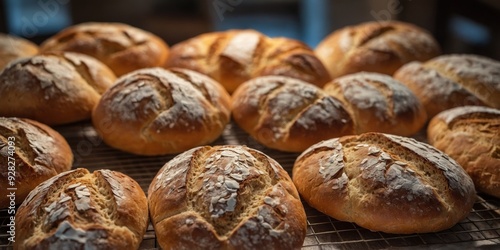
(384, 183)
(13, 48)
(225, 197)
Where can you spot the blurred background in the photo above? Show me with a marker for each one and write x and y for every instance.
(460, 26)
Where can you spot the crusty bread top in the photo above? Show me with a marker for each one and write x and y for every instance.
(467, 112)
(12, 48)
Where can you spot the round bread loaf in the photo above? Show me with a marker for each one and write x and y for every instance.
(12, 48)
(225, 197)
(156, 111)
(471, 136)
(451, 81)
(122, 47)
(288, 114)
(53, 88)
(235, 56)
(378, 103)
(81, 210)
(31, 153)
(384, 183)
(380, 47)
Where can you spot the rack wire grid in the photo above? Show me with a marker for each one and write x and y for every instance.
(481, 229)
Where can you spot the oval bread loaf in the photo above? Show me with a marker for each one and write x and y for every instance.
(34, 152)
(384, 183)
(471, 136)
(121, 47)
(81, 210)
(451, 81)
(225, 197)
(53, 88)
(12, 48)
(235, 56)
(156, 111)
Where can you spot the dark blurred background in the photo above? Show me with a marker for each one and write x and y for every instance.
(460, 26)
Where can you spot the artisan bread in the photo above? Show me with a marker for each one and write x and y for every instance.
(454, 80)
(471, 136)
(156, 111)
(235, 56)
(121, 47)
(288, 114)
(31, 153)
(378, 103)
(384, 183)
(380, 47)
(53, 88)
(81, 210)
(225, 197)
(12, 48)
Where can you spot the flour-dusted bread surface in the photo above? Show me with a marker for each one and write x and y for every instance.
(235, 56)
(455, 80)
(13, 48)
(157, 111)
(225, 197)
(81, 210)
(121, 47)
(384, 183)
(288, 114)
(380, 47)
(378, 103)
(471, 136)
(35, 153)
(53, 88)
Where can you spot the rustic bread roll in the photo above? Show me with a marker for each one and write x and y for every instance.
(53, 88)
(471, 136)
(235, 56)
(225, 197)
(31, 153)
(378, 103)
(81, 210)
(451, 81)
(12, 48)
(288, 114)
(122, 47)
(384, 183)
(380, 47)
(156, 111)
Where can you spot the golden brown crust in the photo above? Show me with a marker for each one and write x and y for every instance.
(378, 103)
(156, 111)
(225, 197)
(53, 88)
(121, 47)
(450, 81)
(38, 153)
(380, 47)
(471, 136)
(384, 183)
(288, 114)
(81, 210)
(235, 56)
(13, 48)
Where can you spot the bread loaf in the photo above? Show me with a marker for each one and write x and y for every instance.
(156, 111)
(31, 153)
(288, 114)
(471, 136)
(225, 197)
(121, 47)
(384, 183)
(53, 88)
(380, 47)
(378, 103)
(12, 48)
(451, 81)
(235, 56)
(81, 210)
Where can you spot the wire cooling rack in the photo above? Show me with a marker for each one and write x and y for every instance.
(481, 229)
